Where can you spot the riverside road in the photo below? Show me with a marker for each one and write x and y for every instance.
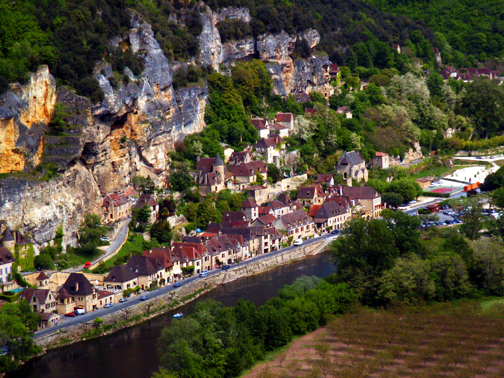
(90, 316)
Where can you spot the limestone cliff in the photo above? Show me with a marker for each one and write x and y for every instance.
(24, 113)
(104, 145)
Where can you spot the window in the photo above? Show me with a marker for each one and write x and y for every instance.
(197, 263)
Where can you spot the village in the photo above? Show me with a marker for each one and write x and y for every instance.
(272, 217)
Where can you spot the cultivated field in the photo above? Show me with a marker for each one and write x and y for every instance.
(401, 343)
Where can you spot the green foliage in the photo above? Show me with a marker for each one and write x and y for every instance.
(91, 231)
(43, 261)
(144, 185)
(142, 215)
(162, 232)
(205, 344)
(469, 31)
(180, 178)
(17, 323)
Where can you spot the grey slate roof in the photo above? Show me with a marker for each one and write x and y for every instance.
(121, 273)
(352, 158)
(78, 284)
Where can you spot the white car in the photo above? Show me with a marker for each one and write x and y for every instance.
(412, 202)
(105, 238)
(298, 242)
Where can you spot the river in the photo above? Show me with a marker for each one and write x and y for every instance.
(132, 352)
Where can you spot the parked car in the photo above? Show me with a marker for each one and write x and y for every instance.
(144, 297)
(203, 274)
(70, 314)
(123, 300)
(79, 311)
(177, 284)
(412, 202)
(298, 242)
(105, 238)
(335, 232)
(108, 305)
(226, 267)
(87, 265)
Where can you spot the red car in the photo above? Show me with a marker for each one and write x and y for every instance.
(70, 314)
(87, 265)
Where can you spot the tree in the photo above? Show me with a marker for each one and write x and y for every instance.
(162, 232)
(144, 185)
(483, 103)
(142, 215)
(435, 84)
(361, 253)
(274, 173)
(91, 232)
(498, 197)
(471, 220)
(181, 179)
(425, 219)
(392, 199)
(489, 265)
(43, 261)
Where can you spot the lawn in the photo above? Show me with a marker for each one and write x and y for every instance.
(436, 171)
(500, 163)
(133, 244)
(73, 257)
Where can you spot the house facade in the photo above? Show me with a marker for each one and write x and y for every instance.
(297, 224)
(211, 177)
(310, 195)
(115, 207)
(81, 291)
(270, 149)
(381, 160)
(250, 208)
(120, 278)
(40, 300)
(6, 261)
(261, 126)
(352, 166)
(331, 215)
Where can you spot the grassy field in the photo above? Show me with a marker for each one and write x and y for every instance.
(445, 340)
(436, 171)
(134, 243)
(73, 258)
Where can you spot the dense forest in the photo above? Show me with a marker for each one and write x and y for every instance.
(71, 37)
(466, 31)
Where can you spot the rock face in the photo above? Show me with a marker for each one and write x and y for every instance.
(104, 145)
(24, 113)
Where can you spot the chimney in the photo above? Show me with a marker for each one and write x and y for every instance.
(340, 190)
(76, 286)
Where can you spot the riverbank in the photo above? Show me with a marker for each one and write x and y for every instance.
(151, 308)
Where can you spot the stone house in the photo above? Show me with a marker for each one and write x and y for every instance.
(310, 195)
(240, 157)
(6, 261)
(48, 319)
(104, 297)
(264, 221)
(258, 193)
(368, 197)
(41, 300)
(352, 166)
(148, 272)
(115, 207)
(120, 278)
(271, 149)
(250, 208)
(287, 120)
(81, 291)
(261, 126)
(149, 201)
(211, 177)
(225, 249)
(381, 160)
(65, 302)
(246, 173)
(327, 179)
(162, 257)
(279, 208)
(330, 215)
(297, 224)
(279, 129)
(234, 216)
(192, 254)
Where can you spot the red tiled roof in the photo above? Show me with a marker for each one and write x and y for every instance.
(258, 123)
(249, 203)
(263, 210)
(379, 153)
(284, 117)
(115, 199)
(314, 210)
(267, 219)
(321, 178)
(130, 191)
(104, 293)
